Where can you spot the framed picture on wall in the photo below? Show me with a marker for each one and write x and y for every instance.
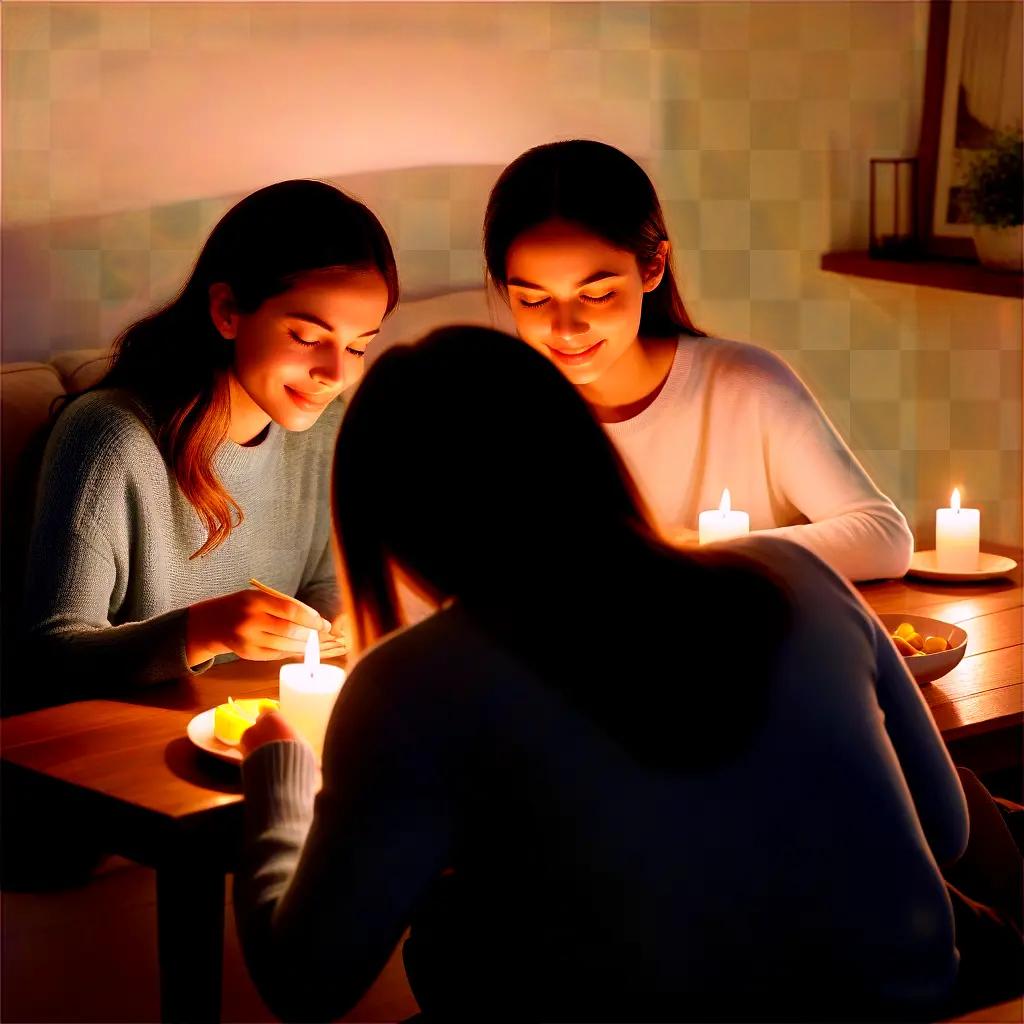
(973, 88)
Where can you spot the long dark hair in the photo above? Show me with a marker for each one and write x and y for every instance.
(524, 513)
(175, 362)
(602, 190)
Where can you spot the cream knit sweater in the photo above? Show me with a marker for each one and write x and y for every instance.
(734, 415)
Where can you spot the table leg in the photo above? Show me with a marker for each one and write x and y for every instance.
(190, 936)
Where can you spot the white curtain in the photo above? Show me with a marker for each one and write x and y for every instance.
(992, 67)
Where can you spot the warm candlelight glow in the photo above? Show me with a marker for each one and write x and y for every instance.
(722, 523)
(957, 536)
(308, 693)
(312, 657)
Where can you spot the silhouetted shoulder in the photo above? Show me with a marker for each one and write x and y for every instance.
(443, 658)
(810, 583)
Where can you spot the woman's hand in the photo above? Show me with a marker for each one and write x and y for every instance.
(270, 726)
(341, 631)
(255, 626)
(682, 537)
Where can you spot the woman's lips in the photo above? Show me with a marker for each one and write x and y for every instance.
(575, 357)
(307, 403)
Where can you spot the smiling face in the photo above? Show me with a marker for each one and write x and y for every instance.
(299, 349)
(576, 298)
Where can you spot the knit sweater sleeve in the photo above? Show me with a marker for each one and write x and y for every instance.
(853, 526)
(325, 889)
(79, 560)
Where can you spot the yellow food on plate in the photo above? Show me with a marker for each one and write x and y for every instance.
(904, 631)
(232, 719)
(935, 644)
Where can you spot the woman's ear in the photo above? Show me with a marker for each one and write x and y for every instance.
(654, 271)
(223, 311)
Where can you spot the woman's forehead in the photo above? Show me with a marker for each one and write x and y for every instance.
(564, 249)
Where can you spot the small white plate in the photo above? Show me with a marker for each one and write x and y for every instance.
(925, 565)
(200, 732)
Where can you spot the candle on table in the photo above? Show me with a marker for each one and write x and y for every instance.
(957, 536)
(723, 522)
(308, 692)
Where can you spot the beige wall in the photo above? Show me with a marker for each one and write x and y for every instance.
(129, 127)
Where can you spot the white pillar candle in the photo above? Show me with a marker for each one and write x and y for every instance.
(722, 523)
(957, 536)
(308, 692)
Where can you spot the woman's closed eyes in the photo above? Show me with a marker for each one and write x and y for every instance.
(295, 336)
(593, 299)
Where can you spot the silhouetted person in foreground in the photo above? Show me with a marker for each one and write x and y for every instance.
(610, 779)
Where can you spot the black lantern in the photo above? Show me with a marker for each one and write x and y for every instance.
(894, 230)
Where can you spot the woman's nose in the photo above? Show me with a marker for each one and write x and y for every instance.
(329, 366)
(566, 322)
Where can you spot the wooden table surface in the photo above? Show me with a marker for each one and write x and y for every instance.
(979, 706)
(156, 798)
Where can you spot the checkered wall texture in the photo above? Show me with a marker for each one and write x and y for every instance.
(760, 117)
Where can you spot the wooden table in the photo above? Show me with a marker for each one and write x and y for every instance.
(979, 706)
(129, 768)
(155, 798)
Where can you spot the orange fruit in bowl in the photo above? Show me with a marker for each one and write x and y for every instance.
(903, 647)
(930, 647)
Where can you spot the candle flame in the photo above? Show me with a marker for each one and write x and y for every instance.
(312, 658)
(954, 501)
(725, 506)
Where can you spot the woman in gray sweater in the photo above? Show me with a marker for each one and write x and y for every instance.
(202, 458)
(610, 779)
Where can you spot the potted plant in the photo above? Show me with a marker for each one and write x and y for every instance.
(994, 195)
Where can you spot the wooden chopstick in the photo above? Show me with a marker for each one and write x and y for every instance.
(272, 592)
(277, 593)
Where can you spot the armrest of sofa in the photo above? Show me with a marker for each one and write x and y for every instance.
(81, 368)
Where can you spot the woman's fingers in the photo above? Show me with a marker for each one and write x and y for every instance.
(293, 611)
(334, 651)
(274, 641)
(271, 638)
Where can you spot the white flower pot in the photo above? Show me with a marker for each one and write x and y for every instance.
(1000, 248)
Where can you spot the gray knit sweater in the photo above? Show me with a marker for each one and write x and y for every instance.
(109, 573)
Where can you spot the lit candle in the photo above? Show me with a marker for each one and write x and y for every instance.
(722, 523)
(308, 692)
(957, 536)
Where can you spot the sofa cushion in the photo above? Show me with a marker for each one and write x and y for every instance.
(27, 391)
(82, 367)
